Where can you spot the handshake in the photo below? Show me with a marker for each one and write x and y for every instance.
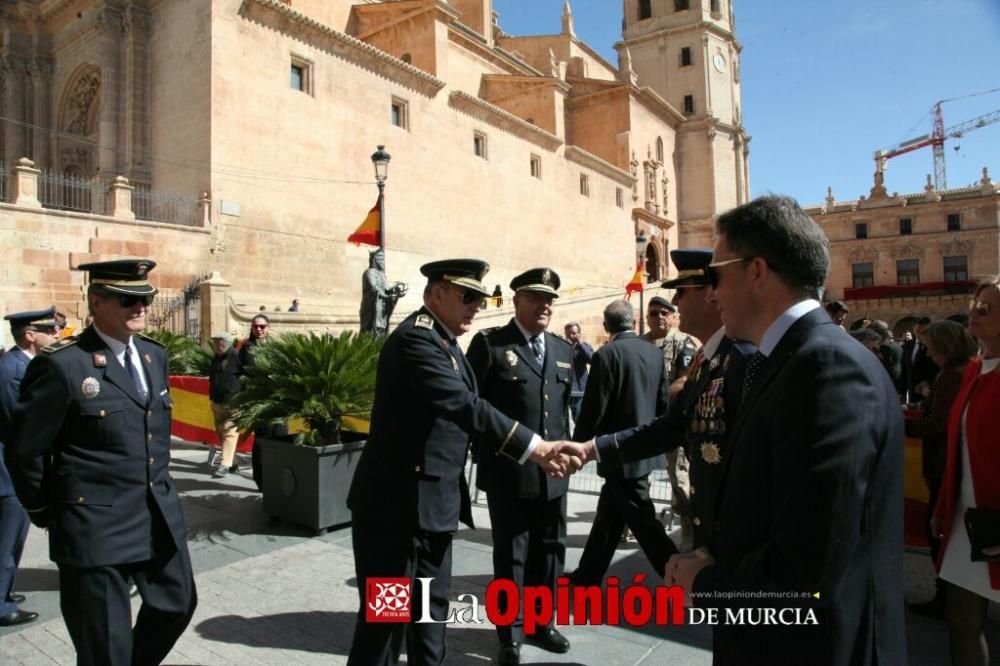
(561, 458)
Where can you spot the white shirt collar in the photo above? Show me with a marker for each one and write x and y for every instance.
(780, 326)
(26, 352)
(116, 346)
(450, 336)
(711, 348)
(527, 334)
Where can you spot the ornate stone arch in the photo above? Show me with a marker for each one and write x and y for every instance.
(654, 267)
(80, 101)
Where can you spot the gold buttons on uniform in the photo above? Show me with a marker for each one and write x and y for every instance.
(102, 413)
(79, 500)
(150, 461)
(691, 491)
(696, 521)
(149, 435)
(149, 412)
(417, 468)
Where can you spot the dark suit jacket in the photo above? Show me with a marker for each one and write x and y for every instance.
(626, 388)
(892, 360)
(12, 367)
(711, 393)
(224, 376)
(917, 368)
(511, 380)
(426, 408)
(811, 501)
(93, 464)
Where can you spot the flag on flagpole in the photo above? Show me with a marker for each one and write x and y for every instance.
(636, 283)
(370, 231)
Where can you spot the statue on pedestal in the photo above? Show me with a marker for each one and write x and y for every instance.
(378, 299)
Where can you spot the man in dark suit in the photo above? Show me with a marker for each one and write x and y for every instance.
(409, 490)
(919, 370)
(526, 373)
(89, 455)
(627, 387)
(702, 415)
(891, 355)
(32, 332)
(810, 501)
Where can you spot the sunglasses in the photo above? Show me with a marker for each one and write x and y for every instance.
(129, 301)
(981, 308)
(713, 269)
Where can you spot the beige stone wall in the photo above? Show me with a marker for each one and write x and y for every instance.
(39, 247)
(580, 61)
(182, 94)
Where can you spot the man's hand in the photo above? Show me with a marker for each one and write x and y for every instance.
(546, 455)
(684, 567)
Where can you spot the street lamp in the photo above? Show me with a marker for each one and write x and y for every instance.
(640, 250)
(380, 159)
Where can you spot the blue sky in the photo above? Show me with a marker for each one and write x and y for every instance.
(825, 84)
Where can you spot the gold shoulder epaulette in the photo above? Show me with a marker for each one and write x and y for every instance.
(153, 340)
(59, 345)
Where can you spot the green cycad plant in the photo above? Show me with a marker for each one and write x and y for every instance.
(187, 357)
(319, 378)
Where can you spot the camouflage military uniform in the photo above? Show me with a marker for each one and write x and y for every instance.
(678, 350)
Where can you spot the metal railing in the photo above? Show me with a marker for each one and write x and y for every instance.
(75, 193)
(180, 314)
(161, 207)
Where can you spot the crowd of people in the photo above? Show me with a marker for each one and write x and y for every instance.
(781, 434)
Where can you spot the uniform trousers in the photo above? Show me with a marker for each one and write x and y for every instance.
(529, 547)
(98, 613)
(385, 549)
(623, 502)
(14, 525)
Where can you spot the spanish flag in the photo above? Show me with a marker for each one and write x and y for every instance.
(370, 231)
(636, 283)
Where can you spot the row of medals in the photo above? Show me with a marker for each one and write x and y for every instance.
(709, 415)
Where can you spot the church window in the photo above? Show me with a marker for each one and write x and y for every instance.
(863, 274)
(956, 268)
(905, 226)
(861, 230)
(645, 9)
(619, 197)
(584, 184)
(681, 5)
(400, 113)
(659, 150)
(954, 222)
(686, 56)
(688, 105)
(479, 144)
(300, 75)
(536, 167)
(716, 6)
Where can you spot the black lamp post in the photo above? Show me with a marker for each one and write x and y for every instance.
(640, 250)
(380, 159)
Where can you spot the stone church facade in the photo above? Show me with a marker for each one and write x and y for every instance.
(234, 136)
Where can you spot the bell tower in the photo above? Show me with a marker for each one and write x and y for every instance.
(687, 52)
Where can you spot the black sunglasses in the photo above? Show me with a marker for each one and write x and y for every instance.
(129, 301)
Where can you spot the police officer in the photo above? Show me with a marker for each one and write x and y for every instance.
(703, 413)
(89, 456)
(32, 332)
(526, 373)
(409, 490)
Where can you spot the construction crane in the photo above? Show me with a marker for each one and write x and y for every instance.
(936, 139)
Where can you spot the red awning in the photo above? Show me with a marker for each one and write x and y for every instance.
(919, 289)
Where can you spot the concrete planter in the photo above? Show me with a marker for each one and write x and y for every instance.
(308, 485)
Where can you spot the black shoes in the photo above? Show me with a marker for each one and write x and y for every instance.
(509, 654)
(549, 639)
(17, 617)
(15, 598)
